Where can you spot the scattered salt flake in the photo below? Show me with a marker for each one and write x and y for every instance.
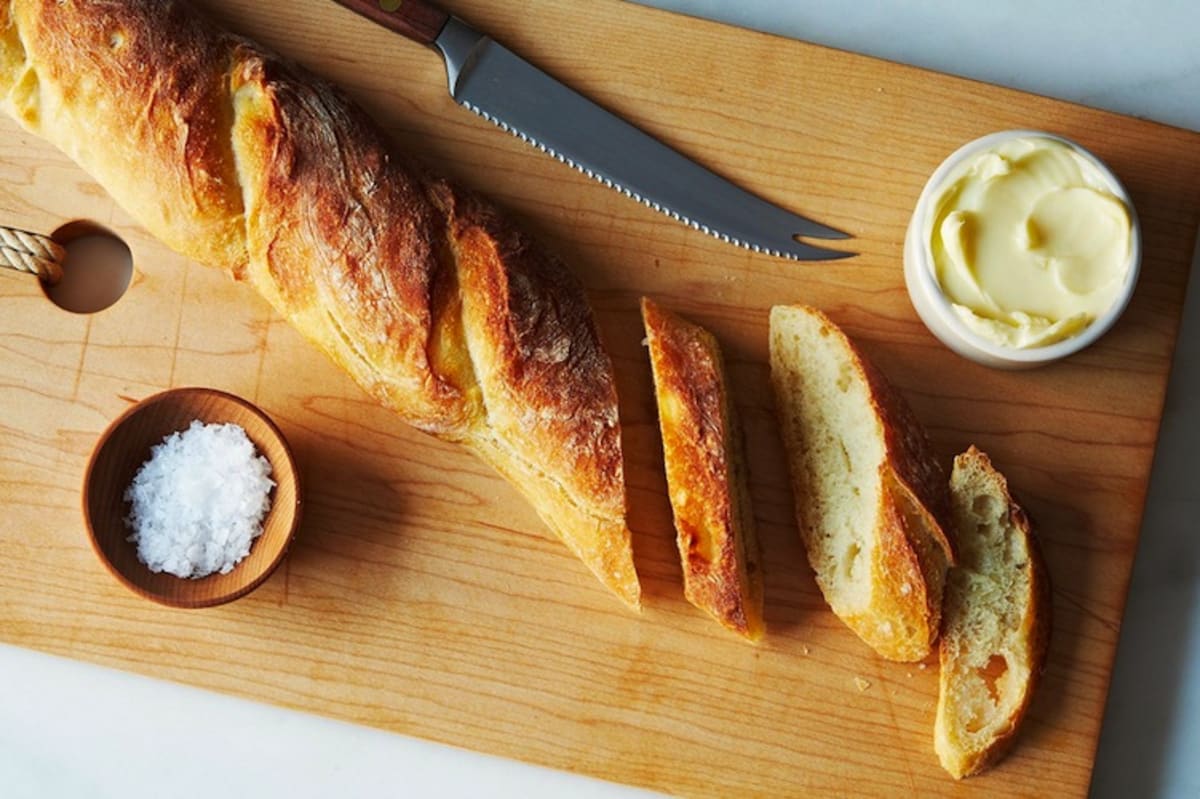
(804, 648)
(861, 684)
(921, 666)
(198, 503)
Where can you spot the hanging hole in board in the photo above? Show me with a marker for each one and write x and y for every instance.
(97, 269)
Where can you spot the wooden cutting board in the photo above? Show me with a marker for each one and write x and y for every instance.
(423, 596)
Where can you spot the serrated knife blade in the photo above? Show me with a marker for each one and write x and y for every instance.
(492, 81)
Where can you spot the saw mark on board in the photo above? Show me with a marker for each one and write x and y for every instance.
(87, 335)
(179, 323)
(264, 335)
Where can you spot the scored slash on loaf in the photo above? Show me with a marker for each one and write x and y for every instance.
(431, 300)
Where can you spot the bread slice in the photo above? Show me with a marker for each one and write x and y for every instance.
(869, 493)
(997, 621)
(702, 451)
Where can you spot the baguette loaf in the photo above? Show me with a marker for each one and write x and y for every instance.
(997, 621)
(706, 479)
(869, 494)
(432, 301)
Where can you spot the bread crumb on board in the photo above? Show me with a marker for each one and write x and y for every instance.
(861, 684)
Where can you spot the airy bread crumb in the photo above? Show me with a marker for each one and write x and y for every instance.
(868, 490)
(997, 621)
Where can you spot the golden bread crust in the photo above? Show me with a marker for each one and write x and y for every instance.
(422, 291)
(548, 388)
(718, 547)
(137, 93)
(343, 239)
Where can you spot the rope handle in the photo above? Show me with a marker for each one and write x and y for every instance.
(32, 252)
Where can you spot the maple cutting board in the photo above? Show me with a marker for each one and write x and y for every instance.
(423, 596)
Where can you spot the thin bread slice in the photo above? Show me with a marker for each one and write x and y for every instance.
(702, 452)
(869, 493)
(997, 621)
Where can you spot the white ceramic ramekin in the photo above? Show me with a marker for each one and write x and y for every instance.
(936, 311)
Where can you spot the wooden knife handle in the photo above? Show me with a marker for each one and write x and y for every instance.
(416, 19)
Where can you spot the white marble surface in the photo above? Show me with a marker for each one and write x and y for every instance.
(72, 730)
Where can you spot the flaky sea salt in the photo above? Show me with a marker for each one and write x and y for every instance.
(198, 503)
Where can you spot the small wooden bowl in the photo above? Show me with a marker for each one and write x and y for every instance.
(125, 446)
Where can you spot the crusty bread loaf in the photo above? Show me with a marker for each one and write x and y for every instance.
(430, 299)
(869, 494)
(997, 621)
(706, 477)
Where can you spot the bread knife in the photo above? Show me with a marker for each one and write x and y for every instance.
(500, 86)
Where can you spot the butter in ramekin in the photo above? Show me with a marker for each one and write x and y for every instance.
(1029, 244)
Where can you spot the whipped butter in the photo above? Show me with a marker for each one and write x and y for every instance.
(1029, 242)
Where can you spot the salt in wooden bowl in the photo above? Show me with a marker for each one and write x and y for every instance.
(126, 445)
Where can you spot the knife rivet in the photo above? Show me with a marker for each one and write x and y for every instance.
(390, 5)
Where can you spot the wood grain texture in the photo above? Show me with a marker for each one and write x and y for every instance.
(422, 596)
